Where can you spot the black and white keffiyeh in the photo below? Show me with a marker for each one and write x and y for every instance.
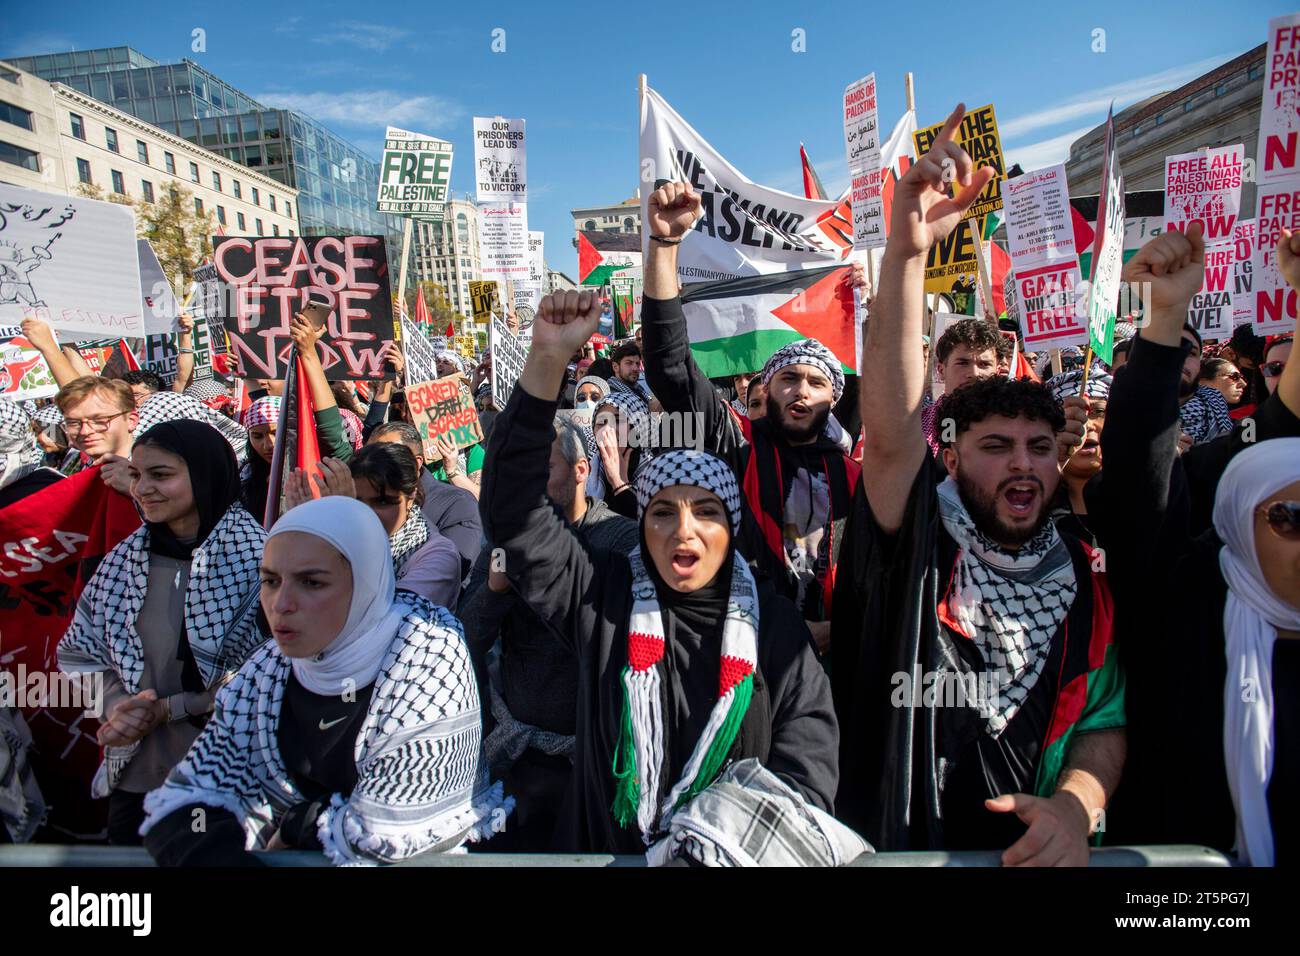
(1009, 603)
(699, 469)
(1205, 415)
(1066, 385)
(422, 783)
(19, 453)
(408, 539)
(807, 352)
(207, 390)
(220, 613)
(170, 406)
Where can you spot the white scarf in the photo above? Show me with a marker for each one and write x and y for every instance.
(1009, 603)
(1251, 619)
(351, 661)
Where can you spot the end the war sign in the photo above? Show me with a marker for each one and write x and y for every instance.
(979, 137)
(442, 408)
(272, 278)
(1204, 187)
(414, 174)
(69, 261)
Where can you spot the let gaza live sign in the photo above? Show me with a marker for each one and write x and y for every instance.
(414, 175)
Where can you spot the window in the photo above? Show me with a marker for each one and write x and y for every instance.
(169, 162)
(83, 171)
(290, 233)
(142, 151)
(591, 224)
(198, 205)
(272, 198)
(275, 230)
(25, 158)
(216, 180)
(239, 218)
(16, 115)
(627, 225)
(239, 192)
(194, 172)
(119, 185)
(146, 187)
(78, 126)
(110, 137)
(260, 230)
(288, 210)
(256, 199)
(221, 215)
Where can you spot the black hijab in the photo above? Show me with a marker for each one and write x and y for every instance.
(214, 477)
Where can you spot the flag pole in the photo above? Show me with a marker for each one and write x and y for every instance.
(911, 91)
(406, 258)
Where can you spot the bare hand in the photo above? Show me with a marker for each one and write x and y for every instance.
(450, 457)
(1288, 260)
(1184, 442)
(498, 583)
(40, 335)
(610, 458)
(564, 321)
(115, 471)
(305, 335)
(299, 488)
(131, 719)
(335, 478)
(391, 354)
(673, 209)
(184, 323)
(1058, 829)
(1167, 272)
(1076, 409)
(923, 212)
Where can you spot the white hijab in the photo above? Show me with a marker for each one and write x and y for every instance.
(354, 531)
(1251, 619)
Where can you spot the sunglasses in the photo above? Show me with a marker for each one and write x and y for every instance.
(1272, 369)
(1234, 377)
(1283, 519)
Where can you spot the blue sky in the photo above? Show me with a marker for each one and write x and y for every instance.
(570, 69)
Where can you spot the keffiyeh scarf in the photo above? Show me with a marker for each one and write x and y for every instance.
(170, 406)
(1009, 603)
(807, 352)
(264, 411)
(408, 539)
(421, 780)
(1205, 415)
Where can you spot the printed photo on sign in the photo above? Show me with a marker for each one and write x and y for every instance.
(23, 373)
(272, 278)
(979, 137)
(414, 174)
(1204, 187)
(441, 408)
(70, 262)
(500, 167)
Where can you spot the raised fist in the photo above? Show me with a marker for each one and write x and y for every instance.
(673, 209)
(565, 320)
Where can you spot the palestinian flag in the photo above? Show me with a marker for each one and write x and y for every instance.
(602, 254)
(296, 442)
(624, 299)
(736, 325)
(812, 183)
(422, 317)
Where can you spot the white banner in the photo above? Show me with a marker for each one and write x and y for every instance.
(503, 241)
(500, 161)
(69, 261)
(746, 229)
(1243, 302)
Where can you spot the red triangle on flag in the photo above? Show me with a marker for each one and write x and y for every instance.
(588, 257)
(825, 312)
(422, 317)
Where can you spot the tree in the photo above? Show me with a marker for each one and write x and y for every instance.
(439, 304)
(180, 236)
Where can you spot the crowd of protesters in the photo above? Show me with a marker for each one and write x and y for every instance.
(1031, 610)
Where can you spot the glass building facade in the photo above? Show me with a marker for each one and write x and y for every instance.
(336, 182)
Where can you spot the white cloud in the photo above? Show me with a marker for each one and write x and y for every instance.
(368, 36)
(1096, 101)
(1047, 152)
(371, 108)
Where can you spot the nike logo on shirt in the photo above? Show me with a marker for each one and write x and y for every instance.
(324, 726)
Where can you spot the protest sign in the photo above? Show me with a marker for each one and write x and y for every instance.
(1278, 206)
(1279, 118)
(1243, 303)
(272, 278)
(745, 229)
(1210, 311)
(158, 302)
(441, 408)
(1107, 250)
(508, 356)
(862, 149)
(1009, 295)
(23, 372)
(202, 342)
(503, 240)
(421, 357)
(1040, 230)
(536, 260)
(71, 262)
(414, 174)
(1204, 187)
(483, 299)
(1051, 316)
(160, 356)
(978, 135)
(500, 165)
(951, 265)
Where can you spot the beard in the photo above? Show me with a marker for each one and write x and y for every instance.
(1186, 388)
(795, 434)
(983, 511)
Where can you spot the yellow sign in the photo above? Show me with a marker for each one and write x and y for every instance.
(483, 296)
(979, 137)
(950, 266)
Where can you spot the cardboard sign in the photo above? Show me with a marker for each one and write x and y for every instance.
(23, 372)
(442, 408)
(503, 241)
(71, 262)
(1051, 316)
(421, 356)
(508, 356)
(414, 175)
(1204, 187)
(272, 278)
(862, 149)
(978, 135)
(1243, 242)
(483, 298)
(500, 161)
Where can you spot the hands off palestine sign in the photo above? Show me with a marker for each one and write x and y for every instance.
(414, 175)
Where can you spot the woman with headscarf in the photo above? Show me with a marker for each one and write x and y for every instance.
(685, 663)
(621, 423)
(170, 613)
(356, 731)
(1078, 464)
(260, 420)
(589, 392)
